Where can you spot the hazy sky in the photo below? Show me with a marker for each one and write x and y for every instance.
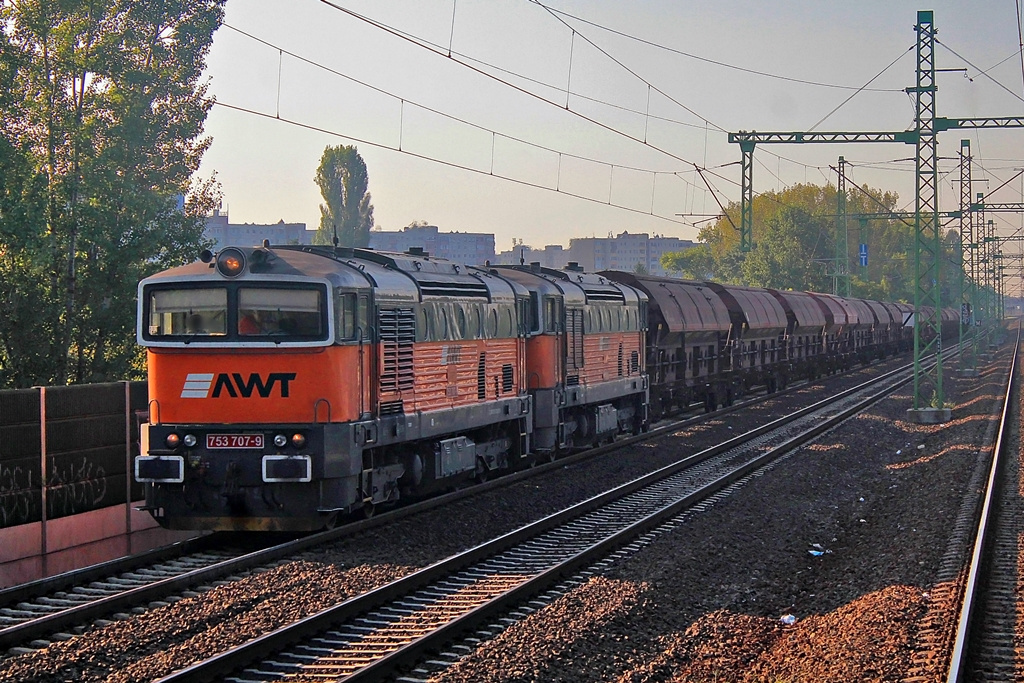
(297, 60)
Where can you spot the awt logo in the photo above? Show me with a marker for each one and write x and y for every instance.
(233, 385)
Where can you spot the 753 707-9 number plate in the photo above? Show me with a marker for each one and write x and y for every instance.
(214, 441)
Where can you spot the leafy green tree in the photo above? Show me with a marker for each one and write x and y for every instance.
(794, 244)
(342, 179)
(100, 135)
(785, 257)
(695, 263)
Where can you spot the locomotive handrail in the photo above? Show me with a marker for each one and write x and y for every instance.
(150, 406)
(316, 410)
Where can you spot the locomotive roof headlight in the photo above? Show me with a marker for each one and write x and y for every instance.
(280, 440)
(189, 440)
(231, 262)
(172, 440)
(298, 440)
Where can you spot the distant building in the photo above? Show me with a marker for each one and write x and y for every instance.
(251, 234)
(625, 251)
(473, 248)
(551, 256)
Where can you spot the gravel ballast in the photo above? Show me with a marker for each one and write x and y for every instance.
(825, 568)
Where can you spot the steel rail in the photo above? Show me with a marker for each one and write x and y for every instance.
(982, 538)
(236, 659)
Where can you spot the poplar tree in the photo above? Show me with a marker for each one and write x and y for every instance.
(342, 179)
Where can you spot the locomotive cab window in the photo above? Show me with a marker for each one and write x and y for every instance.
(552, 314)
(345, 315)
(188, 312)
(535, 314)
(292, 312)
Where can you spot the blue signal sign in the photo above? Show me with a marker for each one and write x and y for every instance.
(864, 255)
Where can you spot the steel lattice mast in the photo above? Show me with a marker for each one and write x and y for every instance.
(927, 306)
(967, 289)
(842, 269)
(927, 241)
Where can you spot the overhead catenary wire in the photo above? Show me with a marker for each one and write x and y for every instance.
(423, 44)
(775, 199)
(433, 110)
(861, 89)
(707, 59)
(631, 71)
(431, 48)
(978, 69)
(419, 42)
(444, 162)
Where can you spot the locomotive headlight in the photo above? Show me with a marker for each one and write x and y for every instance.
(230, 262)
(298, 440)
(172, 440)
(280, 440)
(189, 440)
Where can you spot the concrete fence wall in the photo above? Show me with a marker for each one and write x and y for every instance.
(66, 479)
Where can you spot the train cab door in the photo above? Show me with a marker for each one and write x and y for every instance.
(524, 306)
(553, 323)
(367, 358)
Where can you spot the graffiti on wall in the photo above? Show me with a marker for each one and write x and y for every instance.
(77, 486)
(17, 505)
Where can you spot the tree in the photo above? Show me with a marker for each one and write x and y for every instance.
(695, 263)
(99, 140)
(794, 244)
(784, 259)
(343, 180)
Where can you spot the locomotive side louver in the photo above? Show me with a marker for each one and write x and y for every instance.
(456, 289)
(397, 336)
(604, 295)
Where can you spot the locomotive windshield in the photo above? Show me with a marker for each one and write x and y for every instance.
(236, 312)
(292, 312)
(188, 312)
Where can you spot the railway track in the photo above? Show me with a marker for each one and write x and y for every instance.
(984, 644)
(391, 628)
(56, 608)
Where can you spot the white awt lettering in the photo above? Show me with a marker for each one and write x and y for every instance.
(234, 385)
